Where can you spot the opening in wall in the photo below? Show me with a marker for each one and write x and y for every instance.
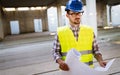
(38, 25)
(14, 26)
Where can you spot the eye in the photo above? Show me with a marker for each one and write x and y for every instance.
(71, 13)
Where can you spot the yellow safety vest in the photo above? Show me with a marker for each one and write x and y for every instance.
(83, 45)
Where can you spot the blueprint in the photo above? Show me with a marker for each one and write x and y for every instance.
(79, 68)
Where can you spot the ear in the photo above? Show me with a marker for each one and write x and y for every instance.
(67, 15)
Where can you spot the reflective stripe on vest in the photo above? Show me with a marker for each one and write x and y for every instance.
(82, 52)
(83, 45)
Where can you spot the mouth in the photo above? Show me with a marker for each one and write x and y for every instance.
(77, 19)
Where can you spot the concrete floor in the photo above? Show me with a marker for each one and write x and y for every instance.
(30, 54)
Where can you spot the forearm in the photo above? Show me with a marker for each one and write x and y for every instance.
(56, 55)
(56, 52)
(100, 60)
(98, 57)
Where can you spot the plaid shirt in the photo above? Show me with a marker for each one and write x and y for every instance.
(57, 47)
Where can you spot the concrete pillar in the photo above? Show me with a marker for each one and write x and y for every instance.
(91, 14)
(110, 18)
(101, 13)
(45, 20)
(59, 13)
(1, 25)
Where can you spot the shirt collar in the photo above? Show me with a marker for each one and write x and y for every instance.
(75, 28)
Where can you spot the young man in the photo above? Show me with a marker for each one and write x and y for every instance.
(77, 36)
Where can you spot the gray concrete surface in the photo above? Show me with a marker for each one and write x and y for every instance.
(31, 54)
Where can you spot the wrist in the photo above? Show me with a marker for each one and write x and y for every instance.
(99, 57)
(59, 61)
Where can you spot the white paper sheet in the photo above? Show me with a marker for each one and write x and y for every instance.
(79, 68)
(106, 67)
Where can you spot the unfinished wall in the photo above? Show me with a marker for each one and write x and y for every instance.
(101, 13)
(26, 19)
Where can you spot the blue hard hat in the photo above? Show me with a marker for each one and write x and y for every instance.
(74, 5)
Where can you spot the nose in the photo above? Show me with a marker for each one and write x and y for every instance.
(78, 16)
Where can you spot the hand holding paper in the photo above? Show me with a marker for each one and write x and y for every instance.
(106, 67)
(79, 68)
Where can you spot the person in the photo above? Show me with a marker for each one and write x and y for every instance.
(77, 36)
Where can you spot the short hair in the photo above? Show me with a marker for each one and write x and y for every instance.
(67, 11)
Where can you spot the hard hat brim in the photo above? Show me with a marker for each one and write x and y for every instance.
(74, 10)
(78, 11)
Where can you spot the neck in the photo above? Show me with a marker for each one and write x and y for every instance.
(75, 25)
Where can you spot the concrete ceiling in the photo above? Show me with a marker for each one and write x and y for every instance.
(26, 3)
(30, 3)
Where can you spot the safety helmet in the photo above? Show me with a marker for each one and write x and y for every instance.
(74, 5)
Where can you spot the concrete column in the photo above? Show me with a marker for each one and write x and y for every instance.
(109, 17)
(45, 24)
(110, 20)
(101, 13)
(59, 13)
(91, 14)
(1, 26)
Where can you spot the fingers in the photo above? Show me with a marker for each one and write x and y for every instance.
(103, 64)
(64, 67)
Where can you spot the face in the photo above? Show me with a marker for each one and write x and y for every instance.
(74, 17)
